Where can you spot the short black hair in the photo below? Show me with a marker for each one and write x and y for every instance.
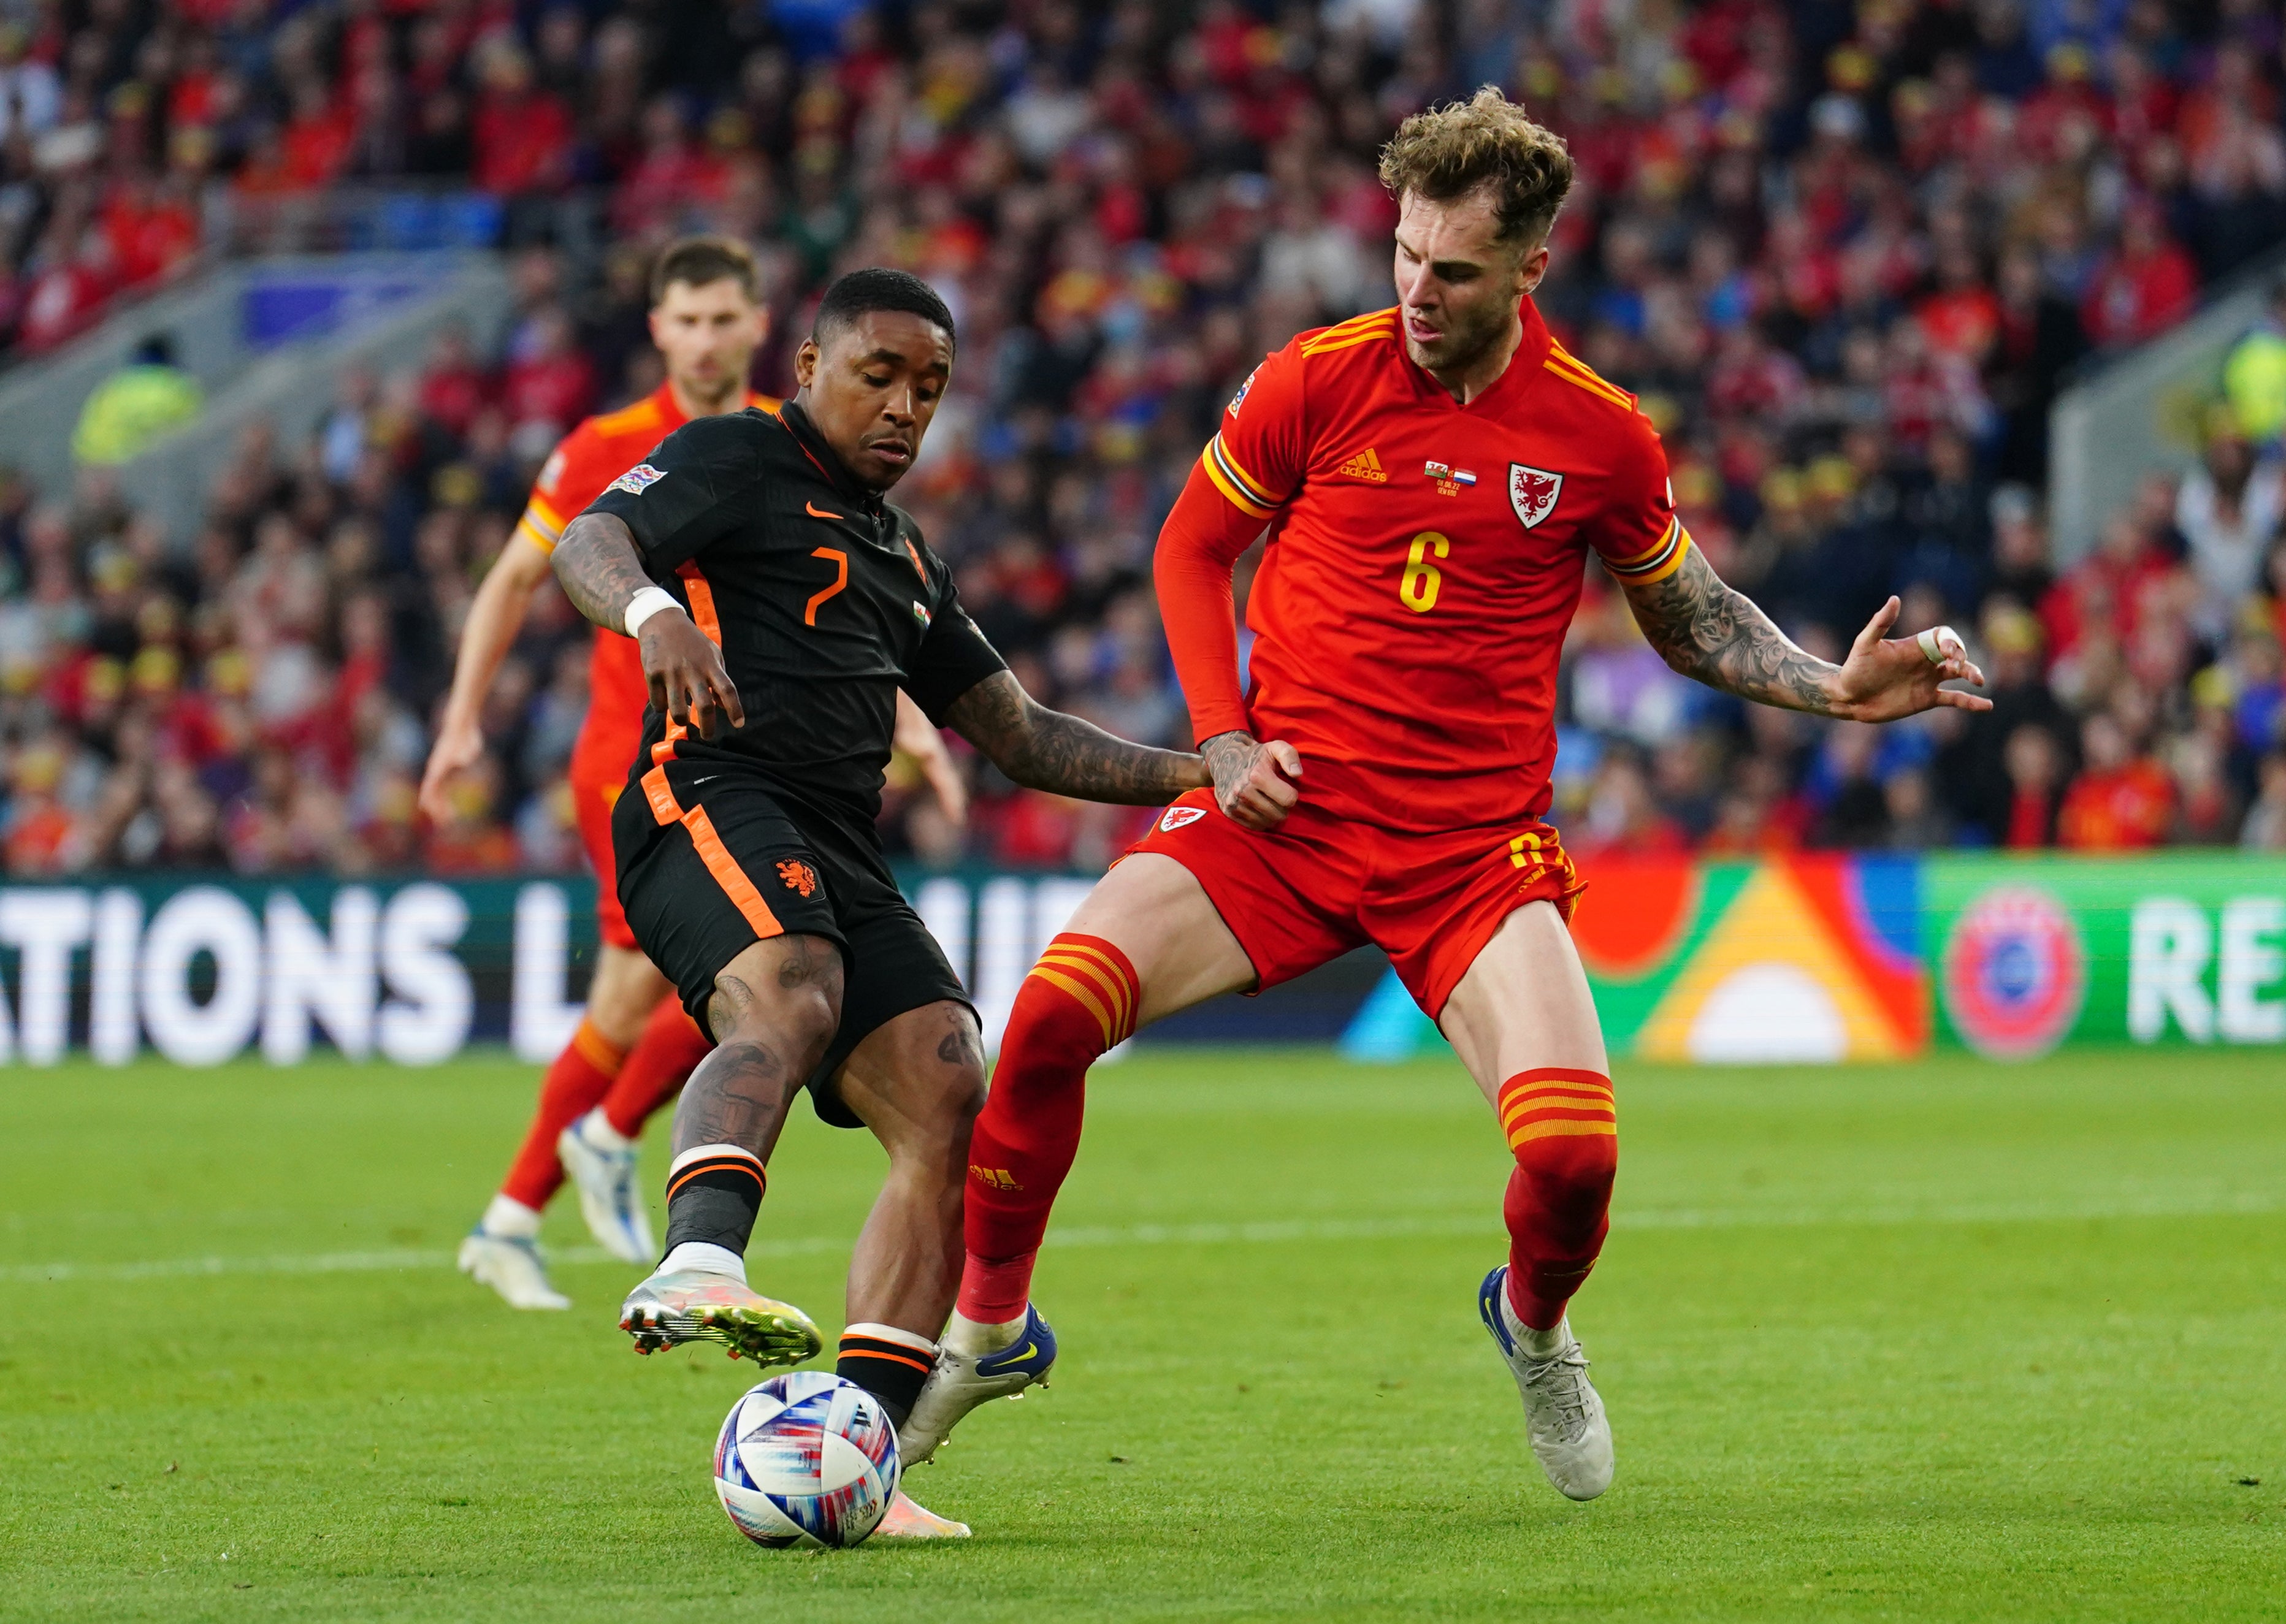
(879, 287)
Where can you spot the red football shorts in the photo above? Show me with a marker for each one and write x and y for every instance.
(592, 799)
(1317, 885)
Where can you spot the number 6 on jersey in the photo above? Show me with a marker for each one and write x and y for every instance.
(1416, 588)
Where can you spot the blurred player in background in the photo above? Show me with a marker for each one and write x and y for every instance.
(1432, 479)
(634, 1046)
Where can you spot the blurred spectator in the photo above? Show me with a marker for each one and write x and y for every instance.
(2035, 765)
(2122, 800)
(2142, 288)
(2254, 374)
(2228, 512)
(144, 399)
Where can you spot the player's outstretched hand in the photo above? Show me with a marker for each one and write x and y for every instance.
(1885, 678)
(1253, 782)
(686, 675)
(458, 745)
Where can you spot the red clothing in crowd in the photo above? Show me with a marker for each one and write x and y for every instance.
(523, 143)
(2124, 809)
(2138, 297)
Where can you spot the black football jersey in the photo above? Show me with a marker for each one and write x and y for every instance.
(824, 599)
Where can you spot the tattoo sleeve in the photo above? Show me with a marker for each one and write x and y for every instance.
(599, 568)
(1047, 750)
(1713, 633)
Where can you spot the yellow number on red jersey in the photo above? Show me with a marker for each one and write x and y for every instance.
(1416, 588)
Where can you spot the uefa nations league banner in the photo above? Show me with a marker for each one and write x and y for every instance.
(1833, 957)
(202, 970)
(2186, 949)
(1809, 959)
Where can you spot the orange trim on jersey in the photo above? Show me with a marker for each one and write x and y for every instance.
(728, 875)
(532, 533)
(636, 419)
(914, 554)
(664, 808)
(1374, 336)
(1244, 491)
(702, 603)
(1577, 372)
(712, 852)
(814, 463)
(1656, 562)
(1356, 330)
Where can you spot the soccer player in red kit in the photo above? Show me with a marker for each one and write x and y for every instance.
(634, 1046)
(1433, 479)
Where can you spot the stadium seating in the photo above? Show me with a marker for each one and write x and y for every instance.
(1846, 256)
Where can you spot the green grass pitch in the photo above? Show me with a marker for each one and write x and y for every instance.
(1936, 1341)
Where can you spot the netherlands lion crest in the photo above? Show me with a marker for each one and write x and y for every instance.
(1533, 492)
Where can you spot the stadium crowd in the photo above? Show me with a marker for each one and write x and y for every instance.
(1846, 256)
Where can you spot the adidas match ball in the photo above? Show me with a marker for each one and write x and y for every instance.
(806, 1459)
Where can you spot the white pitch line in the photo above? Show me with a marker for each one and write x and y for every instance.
(2210, 1204)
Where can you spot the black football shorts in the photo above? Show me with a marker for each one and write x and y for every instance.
(711, 861)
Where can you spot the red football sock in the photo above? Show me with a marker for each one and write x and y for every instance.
(580, 1077)
(1565, 1134)
(1079, 1001)
(657, 1068)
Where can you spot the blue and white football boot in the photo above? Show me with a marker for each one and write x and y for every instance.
(604, 1175)
(1563, 1417)
(960, 1381)
(511, 1266)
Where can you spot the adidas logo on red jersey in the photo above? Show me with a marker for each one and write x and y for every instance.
(1365, 465)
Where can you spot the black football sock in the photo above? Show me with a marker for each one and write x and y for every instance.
(713, 1194)
(886, 1362)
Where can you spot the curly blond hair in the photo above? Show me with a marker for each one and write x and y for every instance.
(1485, 144)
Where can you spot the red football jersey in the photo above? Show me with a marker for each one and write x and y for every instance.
(587, 459)
(1425, 561)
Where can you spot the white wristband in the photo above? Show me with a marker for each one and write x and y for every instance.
(646, 603)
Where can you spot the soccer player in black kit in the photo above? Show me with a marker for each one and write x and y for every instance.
(780, 603)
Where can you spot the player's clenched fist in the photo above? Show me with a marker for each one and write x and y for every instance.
(685, 672)
(1253, 782)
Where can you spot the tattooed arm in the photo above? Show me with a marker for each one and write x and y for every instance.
(1714, 634)
(601, 572)
(1047, 750)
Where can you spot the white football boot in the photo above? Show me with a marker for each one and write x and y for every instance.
(907, 1520)
(604, 1175)
(960, 1381)
(681, 1304)
(511, 1266)
(1562, 1416)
